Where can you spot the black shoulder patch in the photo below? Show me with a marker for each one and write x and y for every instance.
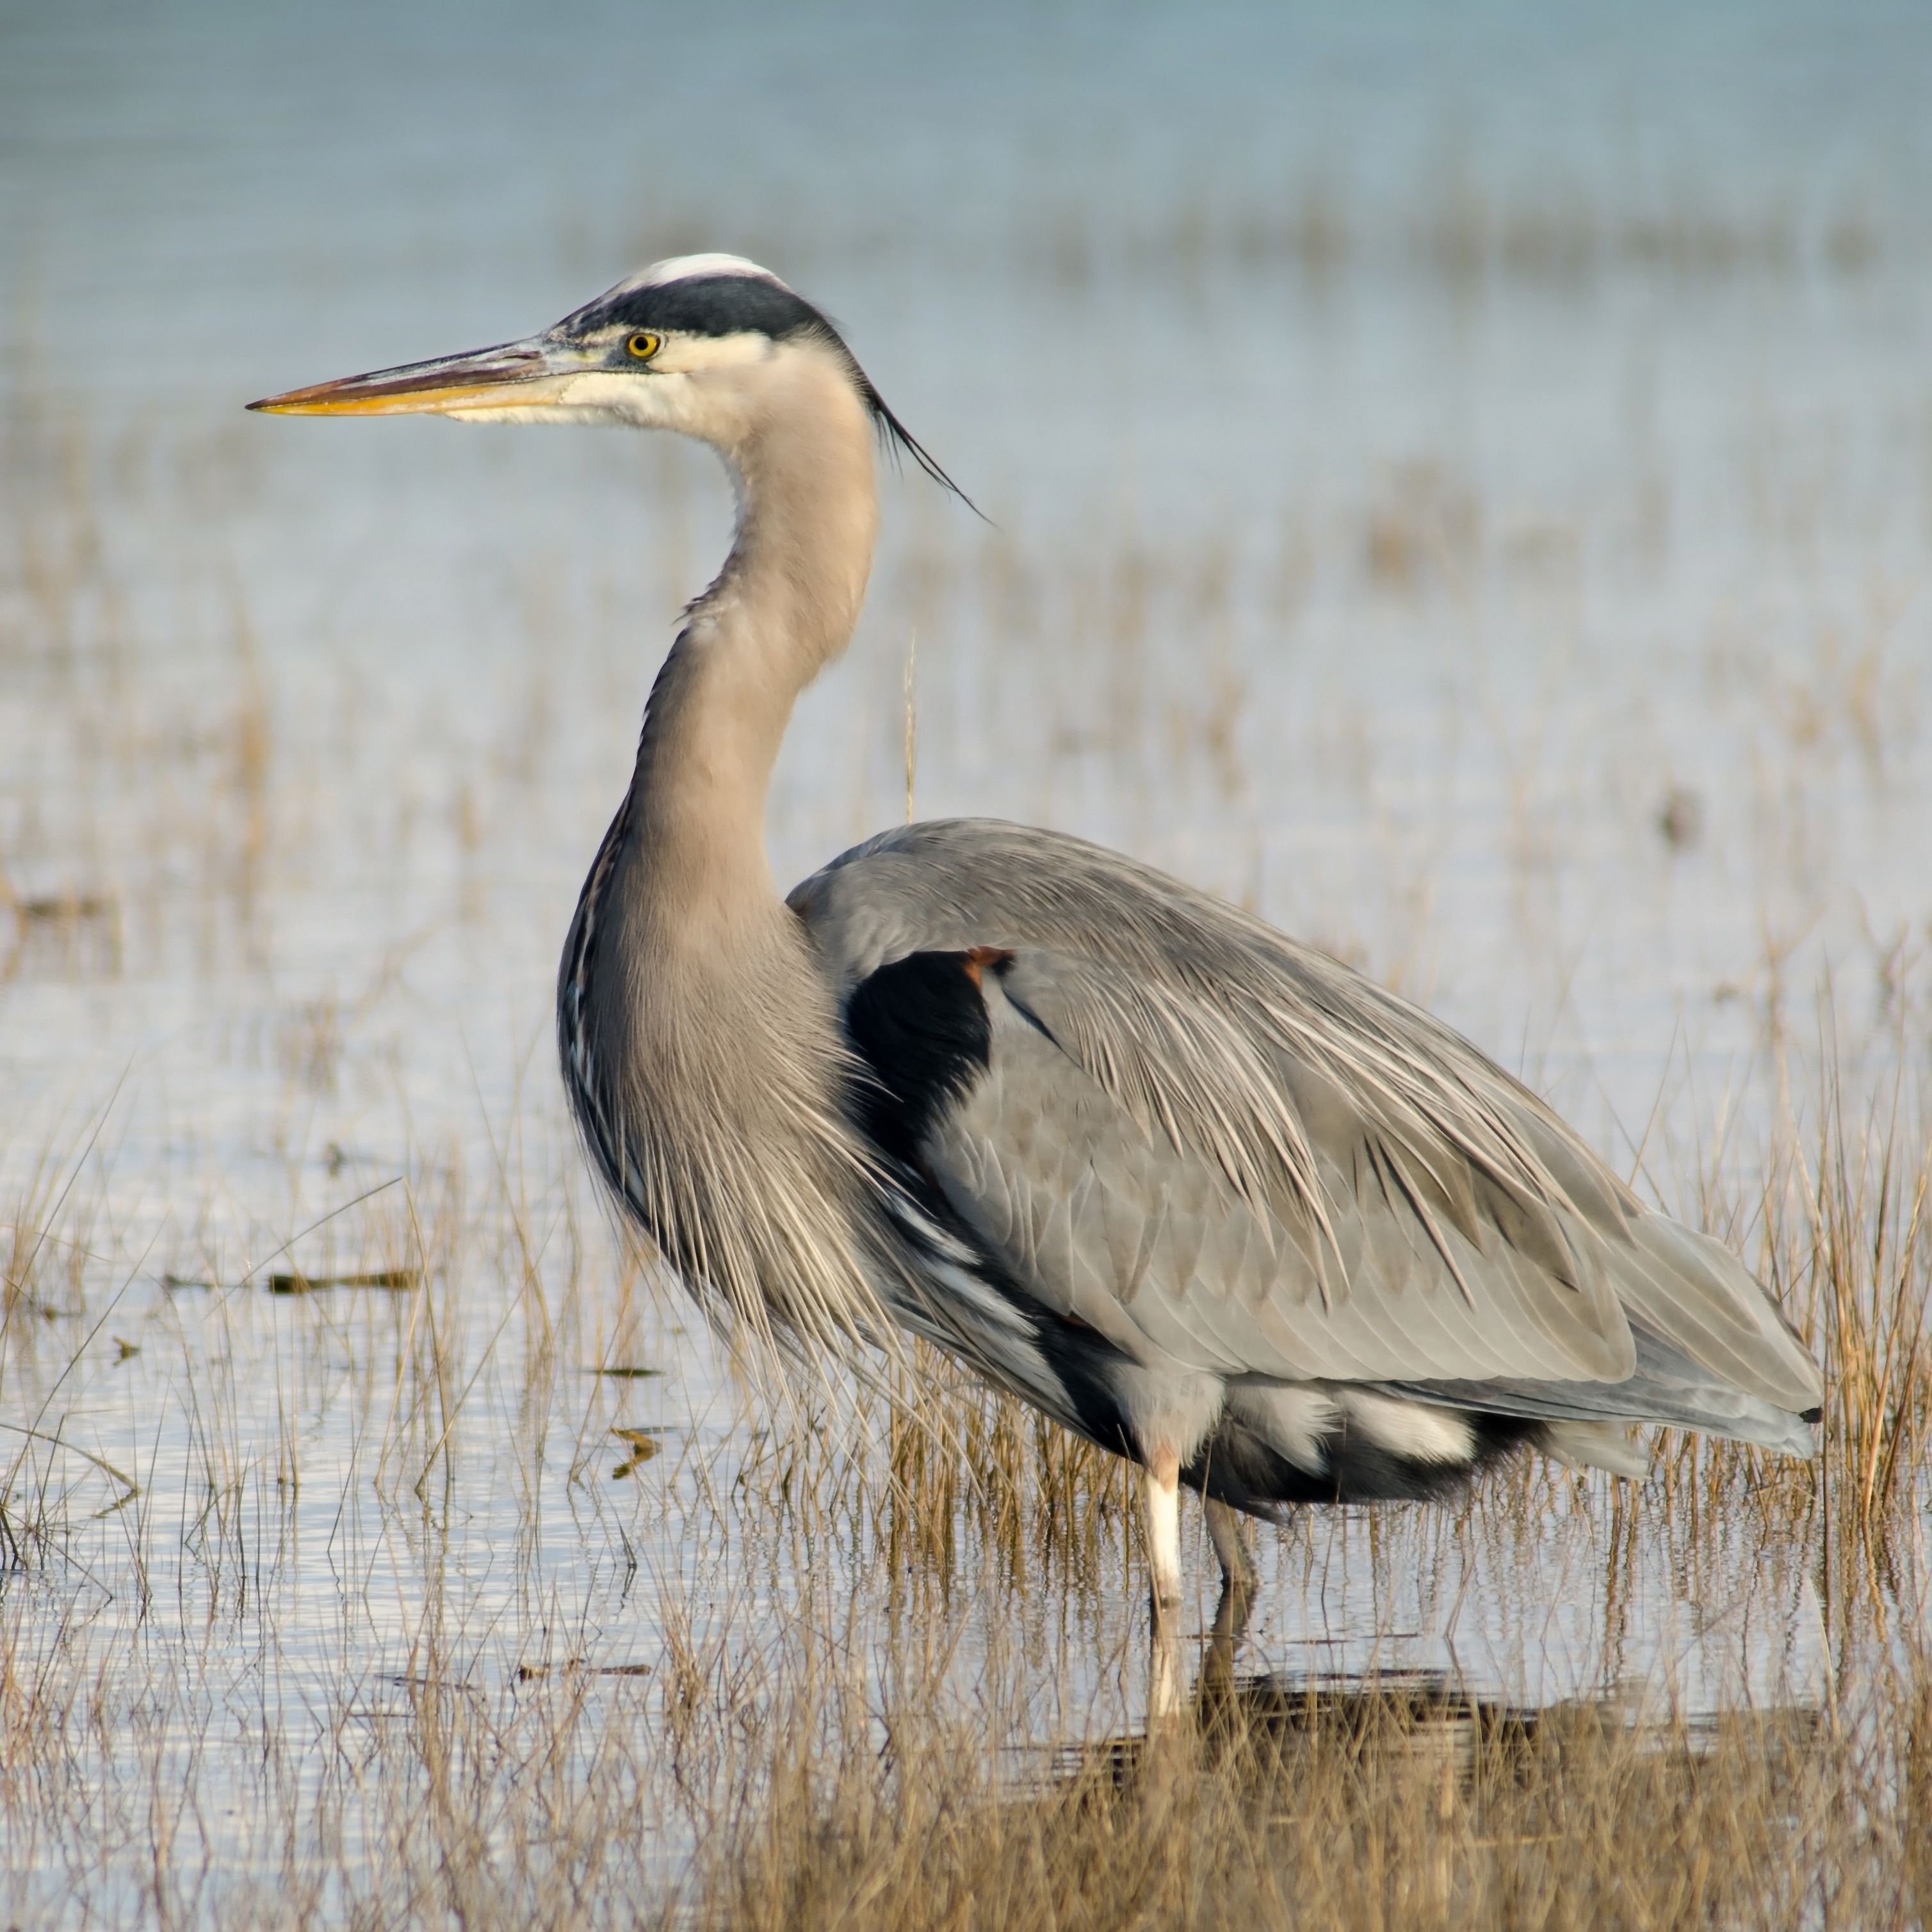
(705, 305)
(920, 1026)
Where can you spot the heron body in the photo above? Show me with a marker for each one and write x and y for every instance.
(1203, 1195)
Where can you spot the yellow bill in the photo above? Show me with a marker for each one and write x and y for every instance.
(504, 377)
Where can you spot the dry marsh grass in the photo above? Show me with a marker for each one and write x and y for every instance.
(186, 1740)
(377, 1547)
(1393, 1806)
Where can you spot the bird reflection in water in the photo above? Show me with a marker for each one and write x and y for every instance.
(1418, 1721)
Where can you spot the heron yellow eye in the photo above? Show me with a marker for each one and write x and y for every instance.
(644, 346)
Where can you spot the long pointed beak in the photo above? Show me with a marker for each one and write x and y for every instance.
(502, 378)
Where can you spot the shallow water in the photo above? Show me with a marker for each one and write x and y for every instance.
(1466, 491)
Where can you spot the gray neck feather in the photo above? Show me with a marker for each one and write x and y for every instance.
(783, 606)
(700, 1043)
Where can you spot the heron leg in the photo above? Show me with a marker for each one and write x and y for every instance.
(1238, 1575)
(1162, 1492)
(1214, 1692)
(1162, 1485)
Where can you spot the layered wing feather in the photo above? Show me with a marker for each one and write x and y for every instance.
(1230, 1153)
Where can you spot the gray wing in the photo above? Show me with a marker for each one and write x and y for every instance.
(1229, 1152)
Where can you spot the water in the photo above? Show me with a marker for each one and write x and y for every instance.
(1425, 454)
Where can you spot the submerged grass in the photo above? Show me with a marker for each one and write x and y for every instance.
(806, 1672)
(1363, 1807)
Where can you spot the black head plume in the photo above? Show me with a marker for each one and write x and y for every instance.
(732, 304)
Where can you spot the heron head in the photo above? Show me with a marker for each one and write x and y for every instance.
(710, 346)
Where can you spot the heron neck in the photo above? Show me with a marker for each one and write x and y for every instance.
(783, 606)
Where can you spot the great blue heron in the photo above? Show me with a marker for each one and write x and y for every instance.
(1204, 1196)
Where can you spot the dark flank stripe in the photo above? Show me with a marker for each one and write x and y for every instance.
(581, 1083)
(1237, 1467)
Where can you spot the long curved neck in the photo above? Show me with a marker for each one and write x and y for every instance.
(783, 606)
(701, 1050)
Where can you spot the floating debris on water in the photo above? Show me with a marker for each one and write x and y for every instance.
(535, 1673)
(66, 908)
(643, 1445)
(397, 1280)
(67, 918)
(1681, 818)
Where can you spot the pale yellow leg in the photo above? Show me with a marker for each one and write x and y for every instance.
(1162, 1490)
